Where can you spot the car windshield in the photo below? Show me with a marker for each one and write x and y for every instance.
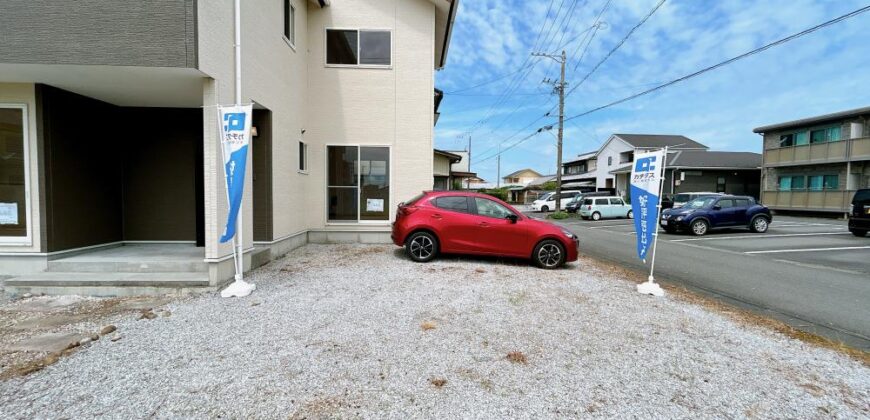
(699, 202)
(681, 198)
(546, 197)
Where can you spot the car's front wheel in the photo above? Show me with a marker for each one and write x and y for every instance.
(858, 232)
(596, 216)
(700, 227)
(759, 224)
(630, 214)
(421, 246)
(549, 254)
(545, 209)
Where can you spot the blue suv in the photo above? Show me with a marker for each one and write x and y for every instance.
(704, 213)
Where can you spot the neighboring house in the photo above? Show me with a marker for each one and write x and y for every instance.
(109, 131)
(816, 164)
(521, 177)
(529, 192)
(701, 170)
(592, 171)
(445, 173)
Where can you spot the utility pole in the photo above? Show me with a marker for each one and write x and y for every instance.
(560, 88)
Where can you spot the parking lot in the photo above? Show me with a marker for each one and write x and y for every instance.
(810, 272)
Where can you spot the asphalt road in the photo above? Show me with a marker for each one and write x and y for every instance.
(811, 273)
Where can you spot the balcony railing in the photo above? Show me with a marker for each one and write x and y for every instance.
(826, 200)
(835, 151)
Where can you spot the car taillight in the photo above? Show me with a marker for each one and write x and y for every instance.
(406, 210)
(588, 207)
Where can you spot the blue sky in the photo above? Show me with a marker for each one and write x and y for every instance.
(823, 72)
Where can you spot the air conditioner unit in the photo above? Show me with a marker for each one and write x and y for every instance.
(857, 130)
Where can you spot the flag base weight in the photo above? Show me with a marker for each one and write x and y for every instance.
(650, 288)
(238, 288)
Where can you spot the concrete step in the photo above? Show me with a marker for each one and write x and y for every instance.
(78, 265)
(107, 284)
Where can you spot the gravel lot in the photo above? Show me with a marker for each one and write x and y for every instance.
(356, 330)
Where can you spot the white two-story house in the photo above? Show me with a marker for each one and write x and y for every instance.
(109, 133)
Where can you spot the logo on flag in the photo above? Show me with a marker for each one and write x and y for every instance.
(646, 176)
(235, 122)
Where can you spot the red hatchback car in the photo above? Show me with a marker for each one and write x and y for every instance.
(456, 222)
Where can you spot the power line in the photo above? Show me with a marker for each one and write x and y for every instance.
(504, 76)
(704, 70)
(726, 62)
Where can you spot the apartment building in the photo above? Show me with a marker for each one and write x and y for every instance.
(815, 164)
(110, 145)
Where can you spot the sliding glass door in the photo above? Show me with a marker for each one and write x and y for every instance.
(358, 184)
(13, 175)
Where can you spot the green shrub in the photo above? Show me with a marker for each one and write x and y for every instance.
(559, 215)
(499, 193)
(549, 186)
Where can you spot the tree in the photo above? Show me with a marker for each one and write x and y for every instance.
(549, 186)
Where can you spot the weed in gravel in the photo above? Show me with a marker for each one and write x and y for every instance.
(517, 299)
(428, 325)
(438, 382)
(479, 270)
(517, 357)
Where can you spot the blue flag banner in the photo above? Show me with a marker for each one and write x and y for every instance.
(645, 180)
(235, 124)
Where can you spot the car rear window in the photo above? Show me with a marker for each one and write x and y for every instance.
(742, 202)
(414, 200)
(861, 195)
(600, 201)
(681, 198)
(454, 203)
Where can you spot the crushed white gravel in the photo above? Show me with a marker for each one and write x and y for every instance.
(337, 331)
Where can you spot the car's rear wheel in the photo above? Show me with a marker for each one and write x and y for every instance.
(421, 246)
(545, 209)
(630, 214)
(700, 227)
(549, 254)
(858, 232)
(596, 216)
(759, 224)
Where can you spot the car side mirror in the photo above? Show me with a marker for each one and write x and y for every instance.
(717, 207)
(512, 218)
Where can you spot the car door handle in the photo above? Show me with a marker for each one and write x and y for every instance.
(436, 216)
(483, 224)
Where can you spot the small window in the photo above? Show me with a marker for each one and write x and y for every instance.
(823, 135)
(303, 157)
(490, 208)
(817, 182)
(351, 47)
(459, 204)
(741, 202)
(600, 201)
(832, 182)
(616, 201)
(786, 140)
(726, 203)
(609, 160)
(290, 22)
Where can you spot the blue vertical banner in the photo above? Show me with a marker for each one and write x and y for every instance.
(235, 128)
(646, 176)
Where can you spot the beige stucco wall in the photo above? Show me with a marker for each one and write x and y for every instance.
(24, 94)
(273, 77)
(381, 106)
(440, 165)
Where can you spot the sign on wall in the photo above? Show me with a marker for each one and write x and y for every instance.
(645, 182)
(235, 123)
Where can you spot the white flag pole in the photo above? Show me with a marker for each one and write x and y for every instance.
(650, 287)
(239, 287)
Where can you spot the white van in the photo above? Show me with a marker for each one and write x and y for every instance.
(547, 202)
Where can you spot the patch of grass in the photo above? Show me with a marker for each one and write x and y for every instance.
(438, 382)
(559, 215)
(428, 325)
(517, 357)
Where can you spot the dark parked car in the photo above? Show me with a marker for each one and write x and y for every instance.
(702, 214)
(859, 216)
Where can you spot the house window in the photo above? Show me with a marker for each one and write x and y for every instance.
(352, 47)
(786, 140)
(720, 184)
(609, 160)
(358, 184)
(824, 182)
(823, 135)
(790, 183)
(303, 157)
(13, 174)
(290, 22)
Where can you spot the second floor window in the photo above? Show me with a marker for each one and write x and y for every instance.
(823, 135)
(290, 22)
(358, 47)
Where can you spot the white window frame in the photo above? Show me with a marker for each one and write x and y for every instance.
(303, 158)
(26, 240)
(358, 187)
(358, 65)
(291, 41)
